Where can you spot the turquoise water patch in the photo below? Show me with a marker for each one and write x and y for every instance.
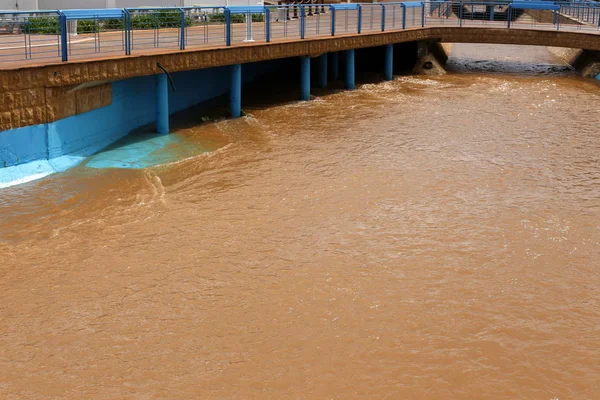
(138, 151)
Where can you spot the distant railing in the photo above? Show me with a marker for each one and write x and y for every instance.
(84, 34)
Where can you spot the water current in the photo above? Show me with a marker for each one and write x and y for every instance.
(425, 238)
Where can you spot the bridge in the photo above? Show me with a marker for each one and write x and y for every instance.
(109, 71)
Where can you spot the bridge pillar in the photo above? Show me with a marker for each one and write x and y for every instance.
(350, 69)
(304, 78)
(323, 71)
(235, 91)
(389, 62)
(162, 104)
(334, 65)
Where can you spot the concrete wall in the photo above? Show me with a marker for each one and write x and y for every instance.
(61, 144)
(18, 4)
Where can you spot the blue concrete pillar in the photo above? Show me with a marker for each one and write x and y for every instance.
(389, 62)
(304, 78)
(235, 91)
(334, 65)
(350, 69)
(162, 104)
(323, 71)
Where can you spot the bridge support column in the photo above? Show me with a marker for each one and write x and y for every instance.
(162, 104)
(350, 69)
(389, 62)
(304, 78)
(334, 65)
(235, 91)
(323, 71)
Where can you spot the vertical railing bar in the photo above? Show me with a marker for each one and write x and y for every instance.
(359, 22)
(267, 24)
(182, 31)
(63, 35)
(332, 11)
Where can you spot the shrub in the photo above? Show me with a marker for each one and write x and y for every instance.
(160, 19)
(113, 24)
(236, 18)
(43, 26)
(88, 26)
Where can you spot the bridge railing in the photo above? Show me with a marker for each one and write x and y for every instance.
(204, 26)
(585, 12)
(34, 35)
(78, 34)
(89, 33)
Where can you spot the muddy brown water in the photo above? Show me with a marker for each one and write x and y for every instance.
(426, 238)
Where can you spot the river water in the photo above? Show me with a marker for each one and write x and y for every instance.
(426, 238)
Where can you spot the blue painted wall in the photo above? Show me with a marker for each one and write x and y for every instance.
(133, 105)
(21, 145)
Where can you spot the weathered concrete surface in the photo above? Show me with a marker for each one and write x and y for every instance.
(47, 104)
(586, 62)
(432, 58)
(26, 101)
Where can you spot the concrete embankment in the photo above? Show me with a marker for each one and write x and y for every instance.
(586, 62)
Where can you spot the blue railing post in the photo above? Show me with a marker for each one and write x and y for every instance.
(182, 32)
(127, 17)
(27, 35)
(422, 15)
(227, 13)
(492, 7)
(332, 11)
(509, 16)
(460, 14)
(62, 19)
(382, 17)
(267, 24)
(359, 9)
(403, 16)
(302, 22)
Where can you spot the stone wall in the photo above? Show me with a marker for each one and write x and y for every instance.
(46, 104)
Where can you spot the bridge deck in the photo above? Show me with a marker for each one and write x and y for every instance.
(27, 49)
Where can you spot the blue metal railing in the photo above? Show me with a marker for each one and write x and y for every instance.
(77, 34)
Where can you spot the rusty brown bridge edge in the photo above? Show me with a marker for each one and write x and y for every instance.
(122, 67)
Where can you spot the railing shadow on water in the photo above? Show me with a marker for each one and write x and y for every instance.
(54, 36)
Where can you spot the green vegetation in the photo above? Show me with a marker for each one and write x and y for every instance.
(236, 18)
(161, 19)
(150, 20)
(42, 26)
